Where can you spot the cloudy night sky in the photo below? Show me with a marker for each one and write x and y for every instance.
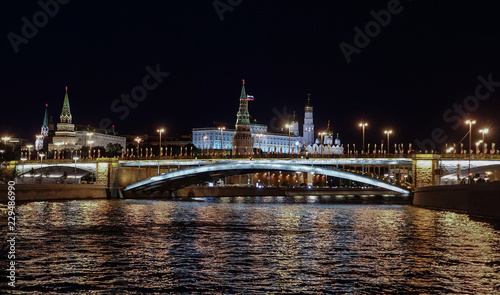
(415, 74)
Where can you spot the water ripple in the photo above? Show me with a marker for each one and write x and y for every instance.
(158, 247)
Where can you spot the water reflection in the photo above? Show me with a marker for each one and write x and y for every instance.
(252, 245)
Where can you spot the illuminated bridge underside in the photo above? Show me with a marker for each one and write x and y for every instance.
(185, 177)
(90, 167)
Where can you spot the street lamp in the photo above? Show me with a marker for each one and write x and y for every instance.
(470, 122)
(5, 139)
(289, 126)
(388, 132)
(477, 146)
(58, 149)
(41, 166)
(138, 140)
(259, 135)
(484, 131)
(24, 161)
(363, 125)
(29, 146)
(90, 142)
(221, 130)
(204, 138)
(321, 134)
(160, 131)
(76, 159)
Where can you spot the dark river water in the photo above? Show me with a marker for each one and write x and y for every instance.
(242, 245)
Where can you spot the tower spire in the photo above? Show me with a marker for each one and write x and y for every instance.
(46, 117)
(66, 111)
(308, 104)
(243, 116)
(45, 124)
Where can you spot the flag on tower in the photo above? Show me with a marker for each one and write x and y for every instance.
(249, 97)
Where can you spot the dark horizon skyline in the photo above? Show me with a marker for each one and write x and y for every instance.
(411, 76)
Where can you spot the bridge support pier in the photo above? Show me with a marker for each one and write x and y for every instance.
(309, 179)
(425, 169)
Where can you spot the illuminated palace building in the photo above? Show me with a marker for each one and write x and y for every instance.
(248, 137)
(70, 137)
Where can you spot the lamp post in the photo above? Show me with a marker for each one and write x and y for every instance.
(204, 138)
(29, 146)
(388, 132)
(363, 125)
(484, 131)
(221, 132)
(477, 146)
(5, 139)
(470, 122)
(24, 161)
(58, 149)
(41, 165)
(138, 140)
(90, 142)
(289, 126)
(76, 159)
(259, 135)
(160, 131)
(321, 134)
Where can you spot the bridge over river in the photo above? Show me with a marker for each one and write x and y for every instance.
(396, 173)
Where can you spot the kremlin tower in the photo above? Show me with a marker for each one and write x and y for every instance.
(39, 142)
(65, 136)
(242, 140)
(308, 127)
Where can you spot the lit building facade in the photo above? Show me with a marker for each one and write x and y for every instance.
(268, 142)
(95, 139)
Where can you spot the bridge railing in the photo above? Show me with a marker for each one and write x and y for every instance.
(472, 156)
(267, 156)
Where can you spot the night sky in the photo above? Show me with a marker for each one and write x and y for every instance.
(415, 68)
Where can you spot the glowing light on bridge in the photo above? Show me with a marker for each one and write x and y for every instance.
(242, 167)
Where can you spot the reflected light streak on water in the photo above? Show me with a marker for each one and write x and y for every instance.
(250, 245)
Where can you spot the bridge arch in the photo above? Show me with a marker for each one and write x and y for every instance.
(185, 177)
(53, 172)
